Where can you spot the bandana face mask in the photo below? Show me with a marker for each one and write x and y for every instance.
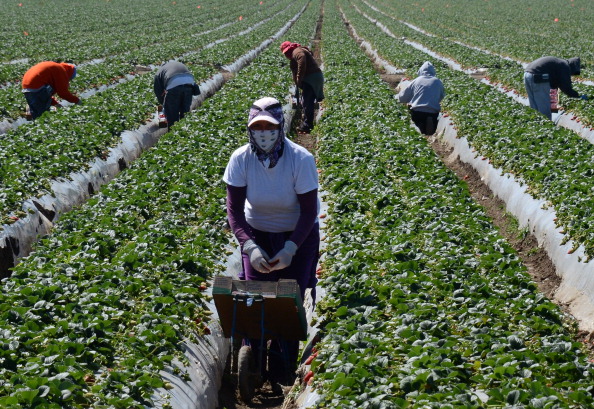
(265, 139)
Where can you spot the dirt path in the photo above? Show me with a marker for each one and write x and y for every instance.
(266, 398)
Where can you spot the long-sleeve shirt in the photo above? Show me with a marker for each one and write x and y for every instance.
(171, 73)
(236, 197)
(559, 70)
(302, 64)
(57, 75)
(425, 92)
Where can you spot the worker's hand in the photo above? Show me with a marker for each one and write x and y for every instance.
(584, 97)
(283, 258)
(258, 257)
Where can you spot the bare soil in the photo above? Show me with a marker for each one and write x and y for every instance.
(265, 398)
(540, 266)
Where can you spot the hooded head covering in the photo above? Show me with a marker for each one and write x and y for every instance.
(574, 65)
(427, 70)
(287, 48)
(70, 69)
(270, 110)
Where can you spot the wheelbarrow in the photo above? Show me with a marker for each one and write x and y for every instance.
(261, 310)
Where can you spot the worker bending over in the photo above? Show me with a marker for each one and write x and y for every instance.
(45, 79)
(548, 73)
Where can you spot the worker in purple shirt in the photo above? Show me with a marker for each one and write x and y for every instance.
(272, 207)
(548, 73)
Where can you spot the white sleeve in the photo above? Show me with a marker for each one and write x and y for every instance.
(306, 174)
(235, 171)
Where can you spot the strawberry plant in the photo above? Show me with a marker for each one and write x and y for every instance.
(427, 306)
(109, 299)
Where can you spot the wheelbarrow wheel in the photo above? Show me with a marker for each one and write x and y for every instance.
(248, 376)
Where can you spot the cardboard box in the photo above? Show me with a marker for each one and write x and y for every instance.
(273, 309)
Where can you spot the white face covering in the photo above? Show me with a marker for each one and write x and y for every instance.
(265, 139)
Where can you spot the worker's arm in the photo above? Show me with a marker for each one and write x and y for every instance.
(308, 203)
(159, 89)
(301, 60)
(406, 95)
(565, 85)
(307, 217)
(61, 86)
(236, 197)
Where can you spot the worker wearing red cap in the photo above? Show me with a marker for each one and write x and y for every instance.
(308, 76)
(45, 79)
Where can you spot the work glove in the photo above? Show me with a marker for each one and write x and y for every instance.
(283, 258)
(584, 97)
(258, 257)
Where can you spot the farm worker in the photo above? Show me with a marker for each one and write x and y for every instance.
(548, 73)
(308, 76)
(272, 208)
(174, 87)
(424, 95)
(45, 79)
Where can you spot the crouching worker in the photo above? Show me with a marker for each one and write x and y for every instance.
(272, 207)
(45, 79)
(174, 87)
(424, 95)
(548, 73)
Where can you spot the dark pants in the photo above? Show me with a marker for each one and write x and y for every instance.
(39, 101)
(308, 100)
(281, 356)
(178, 101)
(425, 121)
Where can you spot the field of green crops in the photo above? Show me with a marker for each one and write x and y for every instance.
(426, 305)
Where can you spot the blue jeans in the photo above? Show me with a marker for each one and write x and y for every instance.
(39, 101)
(539, 95)
(178, 101)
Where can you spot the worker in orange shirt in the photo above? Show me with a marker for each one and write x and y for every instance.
(45, 79)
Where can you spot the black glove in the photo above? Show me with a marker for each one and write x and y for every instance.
(195, 89)
(584, 97)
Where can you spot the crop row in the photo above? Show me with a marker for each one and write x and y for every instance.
(553, 162)
(109, 69)
(104, 303)
(123, 29)
(521, 31)
(66, 141)
(499, 70)
(426, 305)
